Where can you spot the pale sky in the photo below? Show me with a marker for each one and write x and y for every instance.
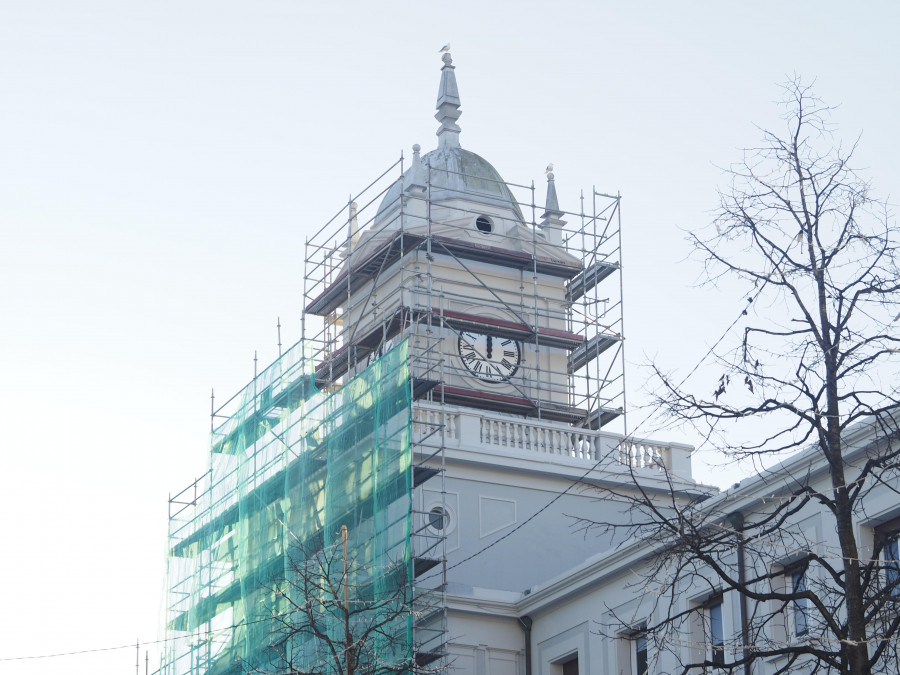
(162, 163)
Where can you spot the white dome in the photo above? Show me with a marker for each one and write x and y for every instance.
(455, 173)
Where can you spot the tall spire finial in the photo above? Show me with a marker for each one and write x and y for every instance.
(448, 106)
(551, 221)
(551, 207)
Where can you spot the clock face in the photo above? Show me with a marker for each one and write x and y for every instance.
(489, 358)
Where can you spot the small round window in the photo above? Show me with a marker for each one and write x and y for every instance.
(438, 519)
(484, 224)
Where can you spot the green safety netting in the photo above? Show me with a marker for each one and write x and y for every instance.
(256, 567)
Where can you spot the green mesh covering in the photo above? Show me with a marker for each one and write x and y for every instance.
(258, 558)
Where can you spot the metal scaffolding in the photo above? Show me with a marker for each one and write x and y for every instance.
(385, 268)
(404, 274)
(381, 268)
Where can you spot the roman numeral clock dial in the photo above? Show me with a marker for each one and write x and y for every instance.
(488, 357)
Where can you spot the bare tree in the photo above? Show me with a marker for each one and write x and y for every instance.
(337, 615)
(816, 358)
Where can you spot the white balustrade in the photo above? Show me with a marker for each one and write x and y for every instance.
(427, 422)
(471, 430)
(645, 455)
(586, 444)
(551, 440)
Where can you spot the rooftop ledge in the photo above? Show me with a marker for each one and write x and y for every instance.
(479, 432)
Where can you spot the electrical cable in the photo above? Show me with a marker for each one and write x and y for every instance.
(593, 468)
(521, 525)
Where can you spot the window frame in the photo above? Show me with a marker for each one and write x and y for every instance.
(716, 650)
(707, 629)
(887, 546)
(800, 606)
(795, 578)
(891, 545)
(566, 665)
(638, 638)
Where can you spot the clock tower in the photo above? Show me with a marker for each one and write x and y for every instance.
(497, 296)
(465, 337)
(511, 311)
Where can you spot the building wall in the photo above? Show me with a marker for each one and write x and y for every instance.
(607, 602)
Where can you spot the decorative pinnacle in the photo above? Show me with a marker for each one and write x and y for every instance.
(551, 220)
(551, 207)
(448, 103)
(416, 178)
(354, 221)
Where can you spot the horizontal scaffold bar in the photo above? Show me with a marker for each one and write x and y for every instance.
(358, 273)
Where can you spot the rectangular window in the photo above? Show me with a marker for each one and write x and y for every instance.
(640, 654)
(800, 605)
(716, 631)
(570, 667)
(892, 564)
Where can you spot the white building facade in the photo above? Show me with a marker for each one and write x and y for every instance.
(593, 617)
(512, 316)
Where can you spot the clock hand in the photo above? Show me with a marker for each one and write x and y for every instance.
(489, 346)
